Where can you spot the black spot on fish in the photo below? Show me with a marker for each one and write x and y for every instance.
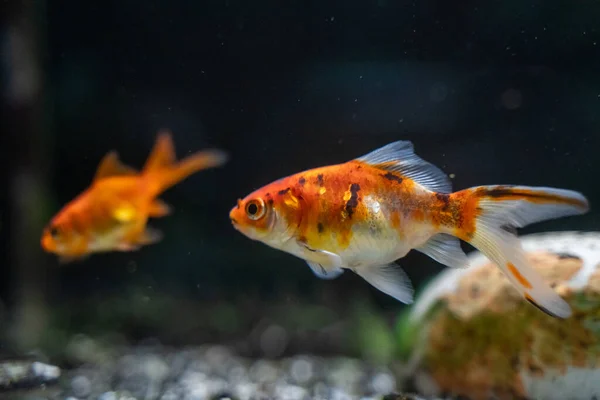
(392, 177)
(284, 191)
(511, 193)
(352, 203)
(320, 179)
(566, 256)
(320, 227)
(301, 181)
(500, 191)
(444, 198)
(270, 201)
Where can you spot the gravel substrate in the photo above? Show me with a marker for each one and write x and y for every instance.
(155, 372)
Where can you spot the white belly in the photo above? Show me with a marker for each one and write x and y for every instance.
(383, 247)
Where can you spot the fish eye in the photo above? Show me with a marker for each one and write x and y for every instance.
(54, 232)
(255, 209)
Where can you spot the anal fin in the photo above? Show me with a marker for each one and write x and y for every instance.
(134, 241)
(390, 279)
(446, 250)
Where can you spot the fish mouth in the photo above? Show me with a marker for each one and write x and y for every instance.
(47, 244)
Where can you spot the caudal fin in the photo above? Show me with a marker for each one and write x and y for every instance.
(163, 167)
(490, 215)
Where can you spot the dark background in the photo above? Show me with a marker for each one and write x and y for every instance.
(500, 92)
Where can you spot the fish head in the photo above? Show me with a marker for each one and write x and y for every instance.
(61, 237)
(270, 214)
(55, 237)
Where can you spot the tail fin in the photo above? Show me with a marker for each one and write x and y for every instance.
(495, 212)
(163, 166)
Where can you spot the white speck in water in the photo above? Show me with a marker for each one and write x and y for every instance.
(452, 176)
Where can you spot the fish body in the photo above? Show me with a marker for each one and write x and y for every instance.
(365, 214)
(112, 214)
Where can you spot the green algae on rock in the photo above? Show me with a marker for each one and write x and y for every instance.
(477, 338)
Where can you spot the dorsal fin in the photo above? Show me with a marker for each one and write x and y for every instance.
(400, 157)
(111, 166)
(162, 154)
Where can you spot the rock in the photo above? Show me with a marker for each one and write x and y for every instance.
(471, 334)
(216, 372)
(26, 374)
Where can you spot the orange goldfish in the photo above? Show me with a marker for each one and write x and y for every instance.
(111, 215)
(365, 214)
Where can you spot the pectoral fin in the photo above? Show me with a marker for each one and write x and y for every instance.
(322, 257)
(325, 273)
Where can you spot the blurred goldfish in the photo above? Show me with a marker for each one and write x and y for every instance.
(111, 215)
(366, 213)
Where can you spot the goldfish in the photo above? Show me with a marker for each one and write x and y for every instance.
(112, 213)
(367, 213)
